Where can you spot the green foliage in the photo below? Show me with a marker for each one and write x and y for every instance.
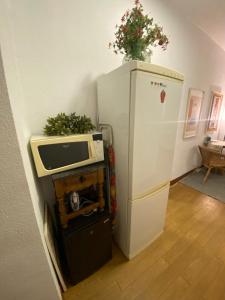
(64, 124)
(136, 33)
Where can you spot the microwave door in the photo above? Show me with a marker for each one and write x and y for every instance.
(54, 156)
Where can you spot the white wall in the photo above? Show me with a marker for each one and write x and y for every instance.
(221, 134)
(54, 50)
(203, 64)
(60, 48)
(24, 267)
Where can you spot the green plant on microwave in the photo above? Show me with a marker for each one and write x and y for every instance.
(64, 124)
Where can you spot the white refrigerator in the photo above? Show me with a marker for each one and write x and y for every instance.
(141, 102)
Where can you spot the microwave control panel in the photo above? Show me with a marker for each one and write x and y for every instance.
(99, 147)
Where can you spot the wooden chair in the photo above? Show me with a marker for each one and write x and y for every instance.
(211, 159)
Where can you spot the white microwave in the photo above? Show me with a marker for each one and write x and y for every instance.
(54, 154)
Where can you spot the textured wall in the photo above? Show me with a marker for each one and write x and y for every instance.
(24, 270)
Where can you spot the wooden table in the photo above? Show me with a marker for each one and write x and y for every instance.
(217, 144)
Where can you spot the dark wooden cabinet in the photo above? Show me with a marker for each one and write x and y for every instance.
(87, 245)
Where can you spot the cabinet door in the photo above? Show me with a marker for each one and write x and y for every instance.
(88, 249)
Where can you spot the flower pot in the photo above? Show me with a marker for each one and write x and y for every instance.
(146, 57)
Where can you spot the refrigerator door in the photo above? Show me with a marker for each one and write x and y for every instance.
(147, 218)
(155, 102)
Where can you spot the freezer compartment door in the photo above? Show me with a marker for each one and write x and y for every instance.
(147, 219)
(155, 102)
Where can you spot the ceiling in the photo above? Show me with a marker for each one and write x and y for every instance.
(208, 15)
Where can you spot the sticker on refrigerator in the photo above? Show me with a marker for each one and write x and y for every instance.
(162, 96)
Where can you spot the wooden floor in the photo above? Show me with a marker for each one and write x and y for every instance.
(186, 262)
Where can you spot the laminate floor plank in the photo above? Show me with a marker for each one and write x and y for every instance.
(200, 285)
(164, 280)
(176, 290)
(136, 287)
(216, 289)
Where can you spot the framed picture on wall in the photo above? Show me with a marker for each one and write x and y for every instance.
(214, 113)
(195, 98)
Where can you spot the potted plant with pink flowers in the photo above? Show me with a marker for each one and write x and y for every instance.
(137, 34)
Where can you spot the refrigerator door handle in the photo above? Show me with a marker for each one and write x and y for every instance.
(153, 191)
